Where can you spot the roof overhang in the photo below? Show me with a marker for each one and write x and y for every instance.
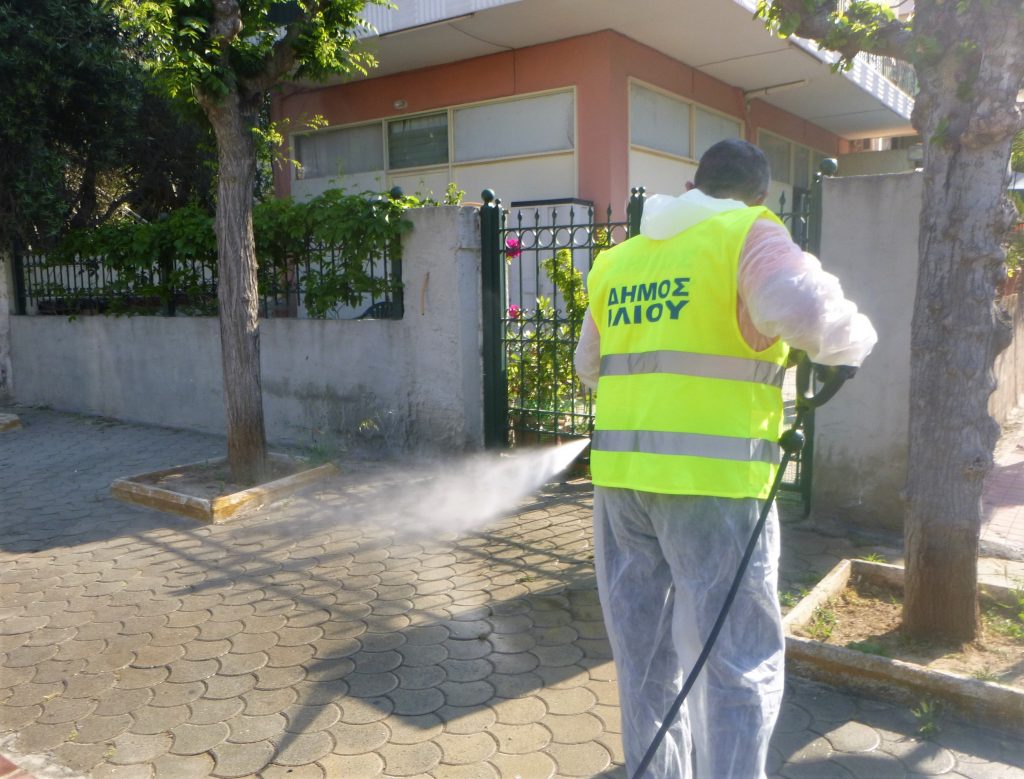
(721, 39)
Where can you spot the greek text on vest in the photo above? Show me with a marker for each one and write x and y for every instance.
(647, 302)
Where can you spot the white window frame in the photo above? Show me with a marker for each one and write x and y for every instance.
(293, 150)
(813, 152)
(692, 105)
(451, 166)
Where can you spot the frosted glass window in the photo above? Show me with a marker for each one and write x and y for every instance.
(658, 121)
(420, 140)
(778, 152)
(801, 167)
(712, 128)
(340, 152)
(529, 126)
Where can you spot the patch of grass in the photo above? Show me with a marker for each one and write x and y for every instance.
(788, 599)
(869, 647)
(1009, 627)
(873, 557)
(985, 675)
(926, 713)
(823, 622)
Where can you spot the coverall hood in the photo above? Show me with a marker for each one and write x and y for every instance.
(666, 216)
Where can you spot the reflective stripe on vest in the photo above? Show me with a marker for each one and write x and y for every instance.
(686, 444)
(706, 366)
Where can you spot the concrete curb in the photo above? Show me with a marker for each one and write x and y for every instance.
(997, 705)
(135, 489)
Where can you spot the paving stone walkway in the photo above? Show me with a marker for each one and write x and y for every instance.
(325, 638)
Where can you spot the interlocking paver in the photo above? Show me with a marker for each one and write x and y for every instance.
(97, 728)
(249, 729)
(259, 702)
(410, 760)
(233, 686)
(32, 694)
(349, 649)
(237, 760)
(150, 720)
(536, 765)
(192, 739)
(307, 771)
(205, 711)
(122, 701)
(135, 748)
(172, 694)
(40, 738)
(182, 766)
(66, 710)
(298, 749)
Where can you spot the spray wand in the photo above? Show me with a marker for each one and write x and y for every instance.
(831, 378)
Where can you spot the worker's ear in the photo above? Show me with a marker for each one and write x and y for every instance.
(689, 185)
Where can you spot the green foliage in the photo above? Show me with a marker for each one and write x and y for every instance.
(85, 131)
(330, 242)
(823, 622)
(873, 557)
(193, 57)
(453, 195)
(1007, 619)
(853, 26)
(542, 382)
(868, 647)
(789, 598)
(927, 713)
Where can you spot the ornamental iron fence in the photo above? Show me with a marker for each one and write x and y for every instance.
(535, 260)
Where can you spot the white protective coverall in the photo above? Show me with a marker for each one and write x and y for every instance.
(665, 562)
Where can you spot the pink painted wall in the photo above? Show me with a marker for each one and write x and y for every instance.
(598, 65)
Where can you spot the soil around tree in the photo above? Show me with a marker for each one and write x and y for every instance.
(867, 616)
(209, 480)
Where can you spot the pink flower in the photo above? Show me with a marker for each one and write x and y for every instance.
(514, 312)
(512, 249)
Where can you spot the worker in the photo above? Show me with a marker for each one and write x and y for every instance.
(686, 342)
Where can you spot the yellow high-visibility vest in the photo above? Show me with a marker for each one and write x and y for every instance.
(684, 405)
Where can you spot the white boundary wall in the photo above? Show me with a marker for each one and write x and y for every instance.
(869, 240)
(412, 384)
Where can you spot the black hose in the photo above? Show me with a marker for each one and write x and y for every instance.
(729, 598)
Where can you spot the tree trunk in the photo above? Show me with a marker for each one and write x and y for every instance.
(233, 119)
(965, 112)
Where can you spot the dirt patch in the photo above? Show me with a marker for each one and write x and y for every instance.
(866, 616)
(213, 479)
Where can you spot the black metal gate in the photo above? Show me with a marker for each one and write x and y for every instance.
(536, 256)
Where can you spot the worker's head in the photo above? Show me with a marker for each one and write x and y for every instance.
(734, 169)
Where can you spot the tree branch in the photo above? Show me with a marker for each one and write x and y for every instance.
(227, 20)
(888, 37)
(281, 61)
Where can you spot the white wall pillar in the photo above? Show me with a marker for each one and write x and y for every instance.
(869, 240)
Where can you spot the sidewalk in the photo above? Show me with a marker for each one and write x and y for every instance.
(320, 638)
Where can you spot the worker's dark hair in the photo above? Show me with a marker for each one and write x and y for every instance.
(733, 169)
